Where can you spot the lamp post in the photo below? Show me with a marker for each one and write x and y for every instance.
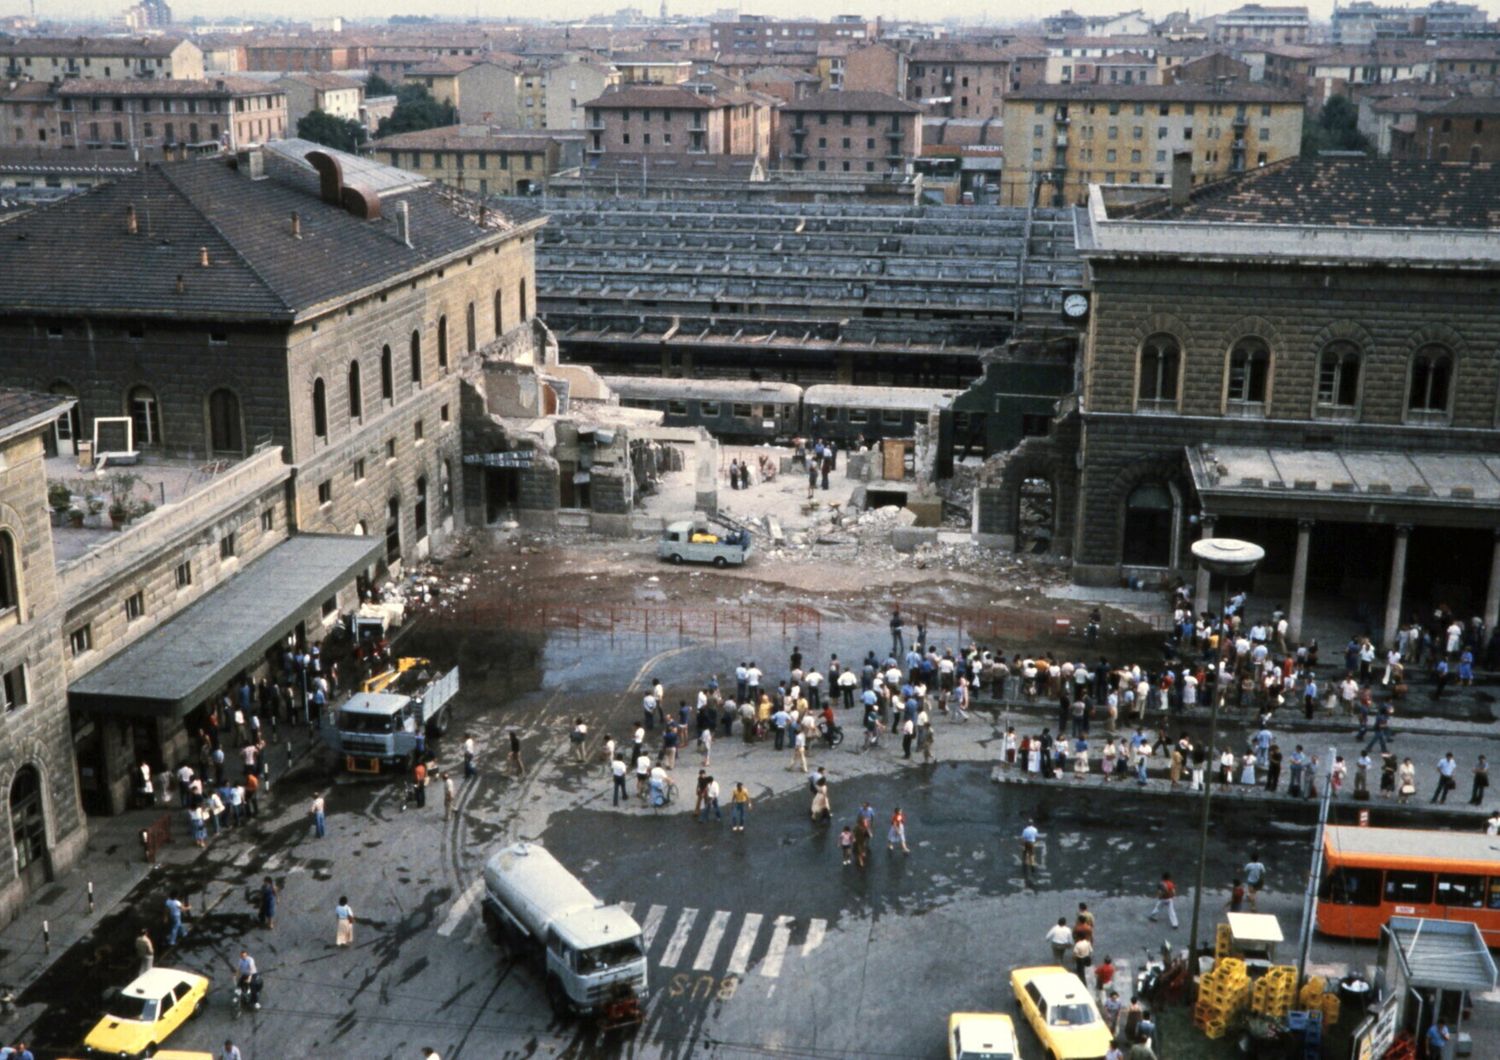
(1228, 558)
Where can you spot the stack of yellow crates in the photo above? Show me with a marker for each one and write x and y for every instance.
(1274, 992)
(1311, 994)
(1330, 1009)
(1223, 996)
(1223, 937)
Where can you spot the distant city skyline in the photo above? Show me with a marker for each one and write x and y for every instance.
(932, 11)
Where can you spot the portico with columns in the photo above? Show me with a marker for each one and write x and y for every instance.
(1376, 537)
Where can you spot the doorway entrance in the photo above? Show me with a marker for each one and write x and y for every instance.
(28, 824)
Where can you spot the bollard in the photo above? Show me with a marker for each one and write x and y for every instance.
(47, 936)
(91, 898)
(146, 845)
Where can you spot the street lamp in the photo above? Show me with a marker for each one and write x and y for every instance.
(1228, 558)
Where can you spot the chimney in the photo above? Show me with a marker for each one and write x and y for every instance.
(1182, 178)
(251, 161)
(296, 225)
(181, 286)
(132, 226)
(203, 257)
(403, 222)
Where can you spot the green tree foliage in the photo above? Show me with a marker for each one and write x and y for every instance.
(416, 109)
(379, 86)
(1336, 128)
(323, 128)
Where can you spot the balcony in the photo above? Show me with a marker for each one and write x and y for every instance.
(594, 125)
(1240, 121)
(799, 131)
(894, 156)
(1062, 140)
(1061, 118)
(895, 134)
(1238, 145)
(797, 155)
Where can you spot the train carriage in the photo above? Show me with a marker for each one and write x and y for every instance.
(732, 410)
(845, 413)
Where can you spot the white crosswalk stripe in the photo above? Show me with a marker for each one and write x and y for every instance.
(739, 958)
(816, 930)
(710, 945)
(461, 908)
(652, 925)
(679, 939)
(781, 935)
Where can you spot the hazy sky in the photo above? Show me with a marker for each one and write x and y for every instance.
(968, 10)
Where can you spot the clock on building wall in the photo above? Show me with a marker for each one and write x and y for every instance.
(1075, 306)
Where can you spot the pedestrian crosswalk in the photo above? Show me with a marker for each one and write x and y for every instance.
(726, 942)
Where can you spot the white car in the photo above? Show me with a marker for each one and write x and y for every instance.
(981, 1036)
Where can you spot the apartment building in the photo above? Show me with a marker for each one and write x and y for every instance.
(1463, 129)
(62, 58)
(28, 114)
(484, 160)
(667, 120)
(484, 92)
(873, 67)
(333, 94)
(229, 112)
(1059, 139)
(646, 68)
(305, 55)
(1261, 22)
(751, 33)
(1362, 21)
(954, 79)
(849, 132)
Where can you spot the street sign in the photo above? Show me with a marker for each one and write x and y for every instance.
(514, 458)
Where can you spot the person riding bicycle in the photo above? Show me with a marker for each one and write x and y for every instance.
(1029, 836)
(658, 784)
(247, 979)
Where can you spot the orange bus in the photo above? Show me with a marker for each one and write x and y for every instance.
(1373, 874)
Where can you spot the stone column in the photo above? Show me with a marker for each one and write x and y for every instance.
(1492, 597)
(1200, 587)
(1398, 582)
(1299, 582)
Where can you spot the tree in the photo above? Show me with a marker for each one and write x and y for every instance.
(1335, 129)
(378, 86)
(323, 128)
(416, 110)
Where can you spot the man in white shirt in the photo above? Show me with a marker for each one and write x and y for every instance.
(1061, 938)
(617, 772)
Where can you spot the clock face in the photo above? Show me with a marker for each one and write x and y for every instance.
(1075, 304)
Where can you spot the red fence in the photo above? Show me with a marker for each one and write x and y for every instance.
(687, 623)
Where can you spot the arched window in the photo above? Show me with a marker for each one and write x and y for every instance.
(472, 335)
(393, 530)
(499, 316)
(10, 570)
(416, 350)
(1338, 379)
(1431, 388)
(1148, 526)
(145, 416)
(225, 432)
(1249, 373)
(320, 409)
(524, 315)
(1161, 358)
(356, 393)
(28, 825)
(419, 509)
(387, 375)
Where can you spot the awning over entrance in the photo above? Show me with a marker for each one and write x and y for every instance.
(1442, 954)
(1381, 486)
(176, 666)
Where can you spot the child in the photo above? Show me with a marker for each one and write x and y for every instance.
(846, 844)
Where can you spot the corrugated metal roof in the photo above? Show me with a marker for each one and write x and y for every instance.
(1443, 954)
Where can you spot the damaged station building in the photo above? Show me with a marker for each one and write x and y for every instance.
(230, 402)
(1305, 357)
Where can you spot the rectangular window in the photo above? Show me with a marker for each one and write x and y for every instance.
(135, 606)
(1408, 888)
(419, 430)
(709, 409)
(741, 411)
(13, 688)
(184, 574)
(1466, 892)
(359, 470)
(443, 413)
(268, 519)
(390, 449)
(1265, 134)
(859, 416)
(325, 492)
(226, 546)
(81, 640)
(891, 416)
(677, 408)
(1351, 887)
(330, 607)
(218, 338)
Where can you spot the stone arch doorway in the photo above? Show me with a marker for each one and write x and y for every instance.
(1151, 518)
(28, 828)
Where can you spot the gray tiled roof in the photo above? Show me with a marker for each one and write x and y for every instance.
(76, 256)
(18, 407)
(181, 662)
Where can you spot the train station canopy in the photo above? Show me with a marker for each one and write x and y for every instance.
(183, 661)
(1371, 485)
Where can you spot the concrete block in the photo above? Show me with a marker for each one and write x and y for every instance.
(910, 538)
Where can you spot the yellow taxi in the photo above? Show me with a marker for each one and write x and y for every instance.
(1062, 1012)
(981, 1036)
(143, 1014)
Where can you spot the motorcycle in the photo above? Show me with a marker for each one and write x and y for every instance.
(246, 994)
(832, 733)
